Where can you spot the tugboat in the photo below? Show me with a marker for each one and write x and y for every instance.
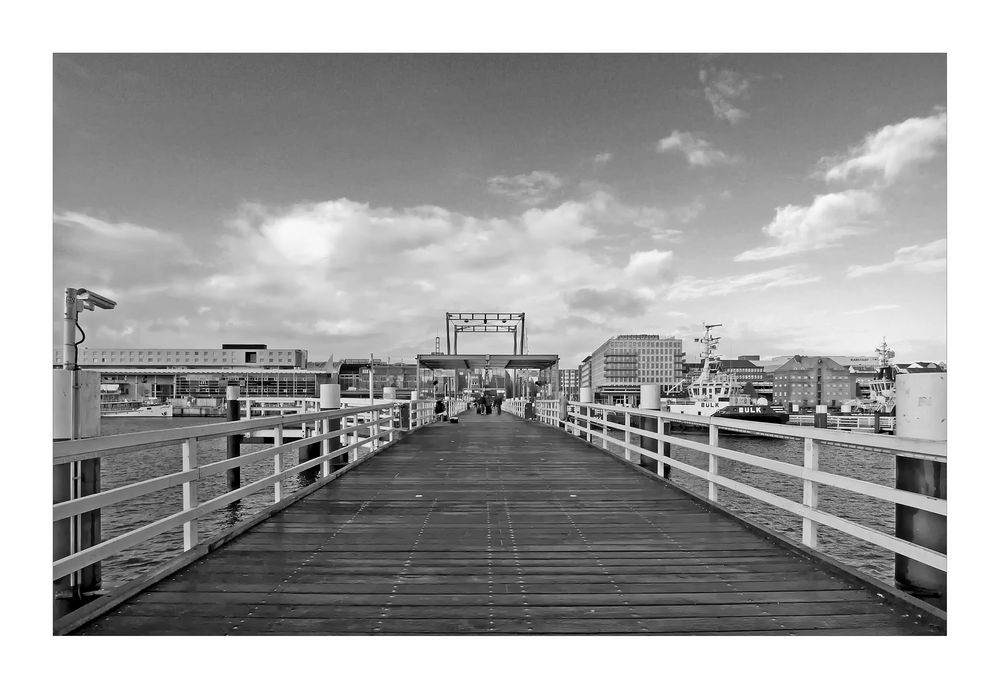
(718, 394)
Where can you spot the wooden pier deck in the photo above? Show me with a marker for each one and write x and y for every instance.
(496, 525)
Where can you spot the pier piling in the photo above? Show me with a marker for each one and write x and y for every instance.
(649, 398)
(921, 413)
(329, 398)
(233, 441)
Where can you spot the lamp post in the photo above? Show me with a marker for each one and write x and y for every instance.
(83, 477)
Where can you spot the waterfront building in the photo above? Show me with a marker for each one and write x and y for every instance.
(569, 382)
(745, 369)
(586, 380)
(807, 381)
(228, 356)
(623, 363)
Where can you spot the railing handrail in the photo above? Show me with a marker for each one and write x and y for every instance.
(935, 450)
(378, 417)
(70, 450)
(580, 421)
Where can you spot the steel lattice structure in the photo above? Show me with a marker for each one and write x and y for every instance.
(484, 322)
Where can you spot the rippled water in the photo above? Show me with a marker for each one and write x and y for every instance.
(874, 467)
(130, 467)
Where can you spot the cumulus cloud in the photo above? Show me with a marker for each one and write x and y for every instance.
(647, 266)
(530, 188)
(923, 258)
(822, 224)
(723, 88)
(699, 153)
(344, 273)
(887, 153)
(602, 158)
(689, 287)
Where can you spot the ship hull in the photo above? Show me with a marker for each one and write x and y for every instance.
(158, 410)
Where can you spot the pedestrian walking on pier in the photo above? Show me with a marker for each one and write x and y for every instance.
(439, 410)
(496, 404)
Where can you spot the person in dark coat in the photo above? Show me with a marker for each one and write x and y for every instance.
(496, 404)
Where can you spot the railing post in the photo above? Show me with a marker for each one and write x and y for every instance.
(628, 436)
(279, 431)
(329, 398)
(662, 468)
(356, 452)
(921, 413)
(189, 491)
(713, 462)
(604, 429)
(233, 441)
(810, 492)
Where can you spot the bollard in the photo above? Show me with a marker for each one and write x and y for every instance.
(877, 423)
(819, 418)
(649, 398)
(921, 413)
(233, 441)
(563, 411)
(329, 398)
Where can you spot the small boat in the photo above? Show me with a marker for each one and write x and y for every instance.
(718, 394)
(120, 406)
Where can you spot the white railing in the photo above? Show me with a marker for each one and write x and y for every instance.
(591, 423)
(359, 426)
(887, 424)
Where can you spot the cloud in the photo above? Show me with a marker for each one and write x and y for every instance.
(611, 301)
(649, 266)
(699, 153)
(830, 218)
(889, 152)
(602, 158)
(531, 188)
(925, 258)
(722, 88)
(353, 276)
(689, 287)
(872, 309)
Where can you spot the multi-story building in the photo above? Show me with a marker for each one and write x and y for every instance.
(619, 366)
(229, 356)
(807, 381)
(569, 382)
(585, 373)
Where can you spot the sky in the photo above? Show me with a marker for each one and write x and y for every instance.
(343, 203)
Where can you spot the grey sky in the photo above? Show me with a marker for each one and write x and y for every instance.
(343, 203)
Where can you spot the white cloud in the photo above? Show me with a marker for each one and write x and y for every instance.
(345, 273)
(924, 258)
(699, 153)
(829, 218)
(887, 153)
(872, 309)
(602, 158)
(530, 188)
(722, 88)
(649, 266)
(689, 287)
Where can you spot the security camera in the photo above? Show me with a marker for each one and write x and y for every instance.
(92, 299)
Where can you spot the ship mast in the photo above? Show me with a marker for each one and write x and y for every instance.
(885, 354)
(711, 344)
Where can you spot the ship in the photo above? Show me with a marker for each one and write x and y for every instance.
(117, 405)
(718, 394)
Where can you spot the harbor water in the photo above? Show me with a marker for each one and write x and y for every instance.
(131, 467)
(865, 465)
(135, 466)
